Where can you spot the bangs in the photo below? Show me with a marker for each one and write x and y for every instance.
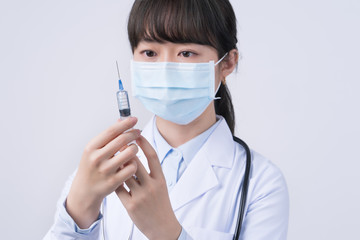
(177, 21)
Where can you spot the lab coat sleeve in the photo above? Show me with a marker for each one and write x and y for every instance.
(268, 208)
(65, 228)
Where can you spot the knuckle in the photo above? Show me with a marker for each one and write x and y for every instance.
(162, 183)
(123, 157)
(88, 149)
(94, 159)
(103, 170)
(123, 139)
(131, 135)
(112, 181)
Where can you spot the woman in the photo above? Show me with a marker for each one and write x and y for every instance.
(185, 183)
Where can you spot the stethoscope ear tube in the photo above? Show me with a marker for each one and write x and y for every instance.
(244, 188)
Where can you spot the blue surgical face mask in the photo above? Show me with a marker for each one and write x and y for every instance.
(177, 92)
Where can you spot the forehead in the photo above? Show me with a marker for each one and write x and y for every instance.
(171, 21)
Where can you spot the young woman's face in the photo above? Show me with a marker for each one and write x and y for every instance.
(176, 52)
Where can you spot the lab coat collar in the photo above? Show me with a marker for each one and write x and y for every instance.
(200, 177)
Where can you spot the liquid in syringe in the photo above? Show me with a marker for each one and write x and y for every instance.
(122, 99)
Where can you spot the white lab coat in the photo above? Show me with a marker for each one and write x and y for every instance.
(206, 197)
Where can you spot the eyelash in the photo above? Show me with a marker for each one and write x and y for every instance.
(187, 52)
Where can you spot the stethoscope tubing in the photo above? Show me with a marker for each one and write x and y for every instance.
(245, 188)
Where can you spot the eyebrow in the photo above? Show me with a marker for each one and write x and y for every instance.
(151, 40)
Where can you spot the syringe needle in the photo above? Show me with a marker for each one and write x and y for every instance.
(117, 66)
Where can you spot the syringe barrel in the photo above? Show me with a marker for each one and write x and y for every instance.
(123, 104)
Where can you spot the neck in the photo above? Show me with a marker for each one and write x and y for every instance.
(176, 135)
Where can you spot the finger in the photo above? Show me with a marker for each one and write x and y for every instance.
(152, 158)
(112, 132)
(119, 142)
(141, 172)
(123, 195)
(123, 148)
(116, 162)
(126, 172)
(132, 183)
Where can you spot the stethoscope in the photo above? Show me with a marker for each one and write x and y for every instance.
(245, 188)
(244, 192)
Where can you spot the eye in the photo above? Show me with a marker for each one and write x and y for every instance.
(187, 54)
(149, 53)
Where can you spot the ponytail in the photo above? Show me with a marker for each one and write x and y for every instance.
(224, 106)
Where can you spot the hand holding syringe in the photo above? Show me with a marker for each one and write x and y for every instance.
(103, 169)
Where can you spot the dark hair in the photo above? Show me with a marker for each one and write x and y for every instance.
(206, 22)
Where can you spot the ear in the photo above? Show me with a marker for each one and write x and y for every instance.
(229, 63)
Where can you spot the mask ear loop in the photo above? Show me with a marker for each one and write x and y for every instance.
(217, 89)
(221, 59)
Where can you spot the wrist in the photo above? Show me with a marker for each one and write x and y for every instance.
(172, 232)
(84, 211)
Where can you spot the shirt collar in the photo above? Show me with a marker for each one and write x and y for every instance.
(162, 147)
(188, 149)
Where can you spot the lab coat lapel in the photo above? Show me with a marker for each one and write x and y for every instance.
(198, 178)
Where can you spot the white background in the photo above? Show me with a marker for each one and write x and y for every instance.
(296, 95)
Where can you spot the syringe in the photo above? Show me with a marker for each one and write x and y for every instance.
(122, 99)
